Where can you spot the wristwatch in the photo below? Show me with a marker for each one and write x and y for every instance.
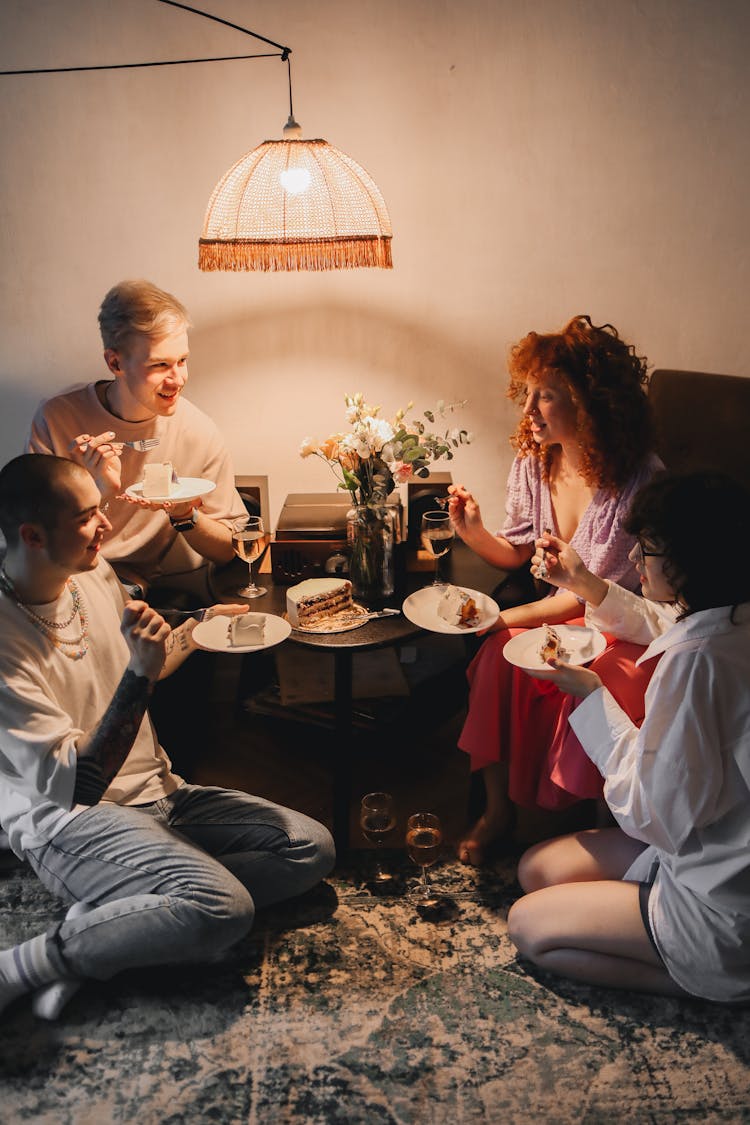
(184, 523)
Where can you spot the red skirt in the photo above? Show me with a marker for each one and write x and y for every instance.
(523, 721)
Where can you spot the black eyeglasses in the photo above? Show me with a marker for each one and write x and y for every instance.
(645, 552)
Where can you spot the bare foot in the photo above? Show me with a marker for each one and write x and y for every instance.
(473, 847)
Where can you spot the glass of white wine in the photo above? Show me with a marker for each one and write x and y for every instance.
(247, 545)
(437, 538)
(424, 839)
(377, 819)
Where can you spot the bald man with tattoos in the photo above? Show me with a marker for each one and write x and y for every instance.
(154, 870)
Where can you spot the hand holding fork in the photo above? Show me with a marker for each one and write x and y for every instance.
(142, 445)
(466, 517)
(101, 454)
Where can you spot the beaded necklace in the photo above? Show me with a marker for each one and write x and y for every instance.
(75, 648)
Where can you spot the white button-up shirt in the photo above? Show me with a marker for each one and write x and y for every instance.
(681, 783)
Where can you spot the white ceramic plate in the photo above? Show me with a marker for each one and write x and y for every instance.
(581, 642)
(353, 618)
(421, 609)
(189, 488)
(214, 634)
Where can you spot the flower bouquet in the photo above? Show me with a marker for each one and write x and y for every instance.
(369, 460)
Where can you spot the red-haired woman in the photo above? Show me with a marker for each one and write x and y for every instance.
(583, 449)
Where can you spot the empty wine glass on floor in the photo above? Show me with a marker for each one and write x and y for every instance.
(424, 839)
(247, 545)
(377, 820)
(437, 538)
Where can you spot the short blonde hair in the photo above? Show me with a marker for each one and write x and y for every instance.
(139, 308)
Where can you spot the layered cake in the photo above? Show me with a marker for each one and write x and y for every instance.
(458, 608)
(247, 629)
(312, 601)
(157, 479)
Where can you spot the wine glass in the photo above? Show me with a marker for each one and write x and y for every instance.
(247, 545)
(377, 820)
(437, 538)
(424, 838)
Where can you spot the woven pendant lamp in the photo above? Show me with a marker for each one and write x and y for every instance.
(295, 204)
(292, 204)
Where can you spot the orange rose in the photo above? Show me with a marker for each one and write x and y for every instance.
(349, 460)
(330, 448)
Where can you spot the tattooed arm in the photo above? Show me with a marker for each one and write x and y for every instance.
(102, 751)
(155, 651)
(179, 645)
(180, 642)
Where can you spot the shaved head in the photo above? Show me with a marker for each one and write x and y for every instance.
(33, 489)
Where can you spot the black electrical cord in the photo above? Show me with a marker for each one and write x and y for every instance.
(283, 53)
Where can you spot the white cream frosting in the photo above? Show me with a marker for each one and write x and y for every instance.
(157, 479)
(317, 595)
(247, 629)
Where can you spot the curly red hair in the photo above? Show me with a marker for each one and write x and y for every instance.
(607, 383)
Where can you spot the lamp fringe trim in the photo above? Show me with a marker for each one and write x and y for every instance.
(297, 254)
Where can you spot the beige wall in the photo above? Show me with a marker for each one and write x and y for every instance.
(539, 159)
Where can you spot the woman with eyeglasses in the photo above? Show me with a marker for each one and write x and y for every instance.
(583, 449)
(660, 903)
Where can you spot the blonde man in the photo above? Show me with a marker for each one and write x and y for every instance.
(167, 543)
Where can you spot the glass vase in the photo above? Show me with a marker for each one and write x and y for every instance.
(371, 534)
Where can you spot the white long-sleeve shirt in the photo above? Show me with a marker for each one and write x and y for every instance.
(681, 784)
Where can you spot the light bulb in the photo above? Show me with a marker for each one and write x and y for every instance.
(295, 180)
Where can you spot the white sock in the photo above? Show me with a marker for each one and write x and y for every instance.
(25, 967)
(49, 1001)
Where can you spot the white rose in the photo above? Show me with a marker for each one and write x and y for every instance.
(381, 432)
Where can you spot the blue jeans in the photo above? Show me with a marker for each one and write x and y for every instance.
(174, 881)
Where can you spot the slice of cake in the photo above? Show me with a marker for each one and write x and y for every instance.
(315, 599)
(458, 608)
(552, 645)
(157, 479)
(247, 629)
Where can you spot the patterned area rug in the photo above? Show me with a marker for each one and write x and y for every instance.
(352, 1007)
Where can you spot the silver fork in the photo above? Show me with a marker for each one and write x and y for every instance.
(142, 445)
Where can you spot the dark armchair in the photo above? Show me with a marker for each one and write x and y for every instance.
(703, 421)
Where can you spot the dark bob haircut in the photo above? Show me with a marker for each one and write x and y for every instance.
(680, 514)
